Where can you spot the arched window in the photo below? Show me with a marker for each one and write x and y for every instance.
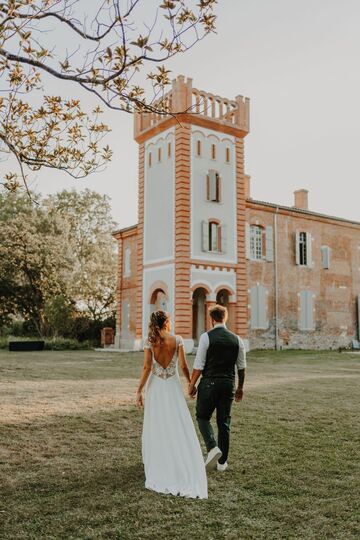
(227, 155)
(198, 148)
(169, 149)
(256, 242)
(127, 267)
(159, 155)
(149, 159)
(213, 186)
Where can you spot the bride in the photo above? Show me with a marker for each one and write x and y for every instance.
(171, 450)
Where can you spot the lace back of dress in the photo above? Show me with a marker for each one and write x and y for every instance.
(170, 370)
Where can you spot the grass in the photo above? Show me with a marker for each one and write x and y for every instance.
(70, 462)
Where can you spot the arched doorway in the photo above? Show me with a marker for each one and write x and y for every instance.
(158, 301)
(223, 298)
(199, 314)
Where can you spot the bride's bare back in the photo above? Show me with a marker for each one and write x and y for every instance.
(164, 350)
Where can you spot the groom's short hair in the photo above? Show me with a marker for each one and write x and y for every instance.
(218, 313)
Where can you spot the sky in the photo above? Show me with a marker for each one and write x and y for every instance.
(298, 62)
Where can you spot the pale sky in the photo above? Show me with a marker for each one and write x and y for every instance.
(298, 62)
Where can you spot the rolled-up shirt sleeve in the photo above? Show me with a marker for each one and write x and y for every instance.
(241, 359)
(200, 358)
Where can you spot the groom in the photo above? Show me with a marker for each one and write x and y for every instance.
(218, 353)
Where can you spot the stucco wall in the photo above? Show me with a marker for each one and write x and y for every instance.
(201, 209)
(159, 199)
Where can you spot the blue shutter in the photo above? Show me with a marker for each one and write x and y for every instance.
(325, 256)
(223, 238)
(205, 236)
(309, 249)
(269, 243)
(297, 247)
(306, 310)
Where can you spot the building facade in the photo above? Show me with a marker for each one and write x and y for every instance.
(289, 277)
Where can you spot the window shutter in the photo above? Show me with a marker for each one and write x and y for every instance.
(247, 240)
(125, 319)
(325, 256)
(297, 247)
(309, 310)
(223, 238)
(254, 307)
(306, 311)
(269, 243)
(258, 307)
(207, 187)
(212, 178)
(262, 322)
(218, 187)
(205, 236)
(308, 249)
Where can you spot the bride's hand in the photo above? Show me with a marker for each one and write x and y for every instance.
(139, 399)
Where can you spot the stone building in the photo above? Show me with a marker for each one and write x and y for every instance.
(290, 277)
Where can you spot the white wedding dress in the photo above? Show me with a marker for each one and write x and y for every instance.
(171, 450)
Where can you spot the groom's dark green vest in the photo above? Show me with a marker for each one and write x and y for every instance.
(222, 354)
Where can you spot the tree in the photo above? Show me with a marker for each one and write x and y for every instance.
(92, 280)
(33, 259)
(111, 57)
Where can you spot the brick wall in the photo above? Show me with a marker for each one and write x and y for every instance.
(335, 289)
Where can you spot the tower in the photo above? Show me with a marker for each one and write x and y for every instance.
(191, 228)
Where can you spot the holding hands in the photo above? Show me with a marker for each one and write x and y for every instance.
(192, 390)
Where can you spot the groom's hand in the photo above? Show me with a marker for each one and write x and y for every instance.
(192, 391)
(239, 394)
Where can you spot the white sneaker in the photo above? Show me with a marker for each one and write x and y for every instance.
(212, 458)
(222, 466)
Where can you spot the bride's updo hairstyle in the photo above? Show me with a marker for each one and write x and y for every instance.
(158, 319)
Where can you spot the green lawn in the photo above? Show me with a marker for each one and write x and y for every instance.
(70, 463)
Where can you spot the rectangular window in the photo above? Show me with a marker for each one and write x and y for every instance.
(169, 149)
(256, 242)
(149, 159)
(198, 148)
(302, 249)
(159, 155)
(214, 237)
(213, 151)
(213, 188)
(227, 154)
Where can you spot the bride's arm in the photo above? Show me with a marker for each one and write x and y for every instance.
(183, 363)
(144, 377)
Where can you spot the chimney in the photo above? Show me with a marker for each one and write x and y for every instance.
(301, 199)
(247, 186)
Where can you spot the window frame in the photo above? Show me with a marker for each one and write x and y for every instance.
(256, 242)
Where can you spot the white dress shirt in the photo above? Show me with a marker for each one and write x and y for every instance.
(200, 358)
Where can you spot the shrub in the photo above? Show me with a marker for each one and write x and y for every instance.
(63, 344)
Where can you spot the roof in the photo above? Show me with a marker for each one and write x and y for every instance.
(302, 211)
(125, 229)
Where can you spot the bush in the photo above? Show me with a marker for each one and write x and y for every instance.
(65, 344)
(4, 342)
